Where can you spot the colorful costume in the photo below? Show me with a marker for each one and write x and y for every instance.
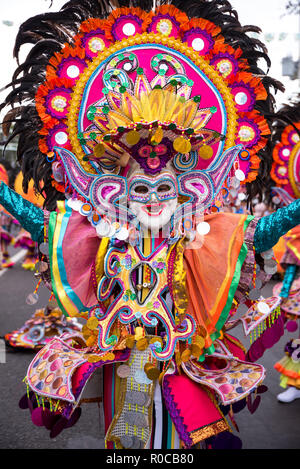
(41, 328)
(285, 173)
(48, 322)
(23, 240)
(6, 237)
(144, 121)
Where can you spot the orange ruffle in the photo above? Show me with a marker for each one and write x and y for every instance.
(223, 47)
(279, 182)
(286, 132)
(43, 90)
(115, 14)
(58, 57)
(92, 24)
(285, 372)
(254, 82)
(210, 265)
(201, 23)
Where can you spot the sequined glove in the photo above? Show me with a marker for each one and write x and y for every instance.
(289, 277)
(270, 228)
(30, 217)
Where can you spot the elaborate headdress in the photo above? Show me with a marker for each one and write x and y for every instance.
(285, 171)
(154, 82)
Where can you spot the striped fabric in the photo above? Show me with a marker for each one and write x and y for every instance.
(164, 435)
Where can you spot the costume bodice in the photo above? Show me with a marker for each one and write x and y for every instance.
(143, 295)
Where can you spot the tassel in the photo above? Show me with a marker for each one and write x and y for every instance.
(37, 400)
(231, 416)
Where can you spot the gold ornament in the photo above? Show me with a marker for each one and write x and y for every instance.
(99, 150)
(92, 323)
(147, 366)
(181, 145)
(157, 339)
(196, 350)
(186, 355)
(133, 137)
(152, 373)
(130, 341)
(200, 341)
(205, 152)
(94, 359)
(139, 333)
(142, 344)
(109, 356)
(91, 340)
(161, 377)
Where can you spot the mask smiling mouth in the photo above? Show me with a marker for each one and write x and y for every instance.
(153, 210)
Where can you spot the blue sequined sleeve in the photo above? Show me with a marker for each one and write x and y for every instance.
(289, 276)
(270, 228)
(30, 216)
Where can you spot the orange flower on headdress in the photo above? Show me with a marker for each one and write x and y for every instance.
(125, 22)
(67, 52)
(92, 24)
(51, 100)
(254, 82)
(288, 133)
(200, 23)
(226, 59)
(279, 173)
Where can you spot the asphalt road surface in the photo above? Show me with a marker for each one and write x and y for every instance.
(272, 426)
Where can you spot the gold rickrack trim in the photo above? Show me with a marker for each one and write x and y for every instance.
(199, 61)
(209, 430)
(292, 157)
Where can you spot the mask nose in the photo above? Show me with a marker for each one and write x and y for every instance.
(153, 197)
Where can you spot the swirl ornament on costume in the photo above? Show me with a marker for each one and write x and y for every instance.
(103, 191)
(202, 186)
(147, 305)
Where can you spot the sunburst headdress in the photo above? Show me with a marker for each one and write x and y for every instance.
(156, 83)
(285, 173)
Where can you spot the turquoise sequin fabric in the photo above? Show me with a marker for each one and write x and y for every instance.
(270, 228)
(289, 276)
(30, 217)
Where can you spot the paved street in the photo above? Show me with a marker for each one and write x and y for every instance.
(273, 426)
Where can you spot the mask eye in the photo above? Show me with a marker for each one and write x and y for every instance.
(163, 188)
(141, 189)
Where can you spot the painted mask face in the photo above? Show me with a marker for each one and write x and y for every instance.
(153, 199)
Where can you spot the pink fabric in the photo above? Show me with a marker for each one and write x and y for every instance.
(192, 414)
(234, 349)
(80, 246)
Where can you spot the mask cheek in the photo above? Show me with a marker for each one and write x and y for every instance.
(135, 207)
(170, 208)
(153, 222)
